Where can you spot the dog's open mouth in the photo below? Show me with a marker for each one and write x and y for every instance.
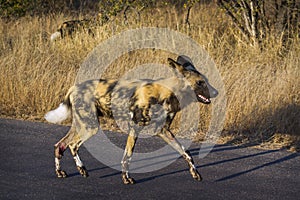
(203, 99)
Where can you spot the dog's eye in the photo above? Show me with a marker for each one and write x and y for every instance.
(200, 83)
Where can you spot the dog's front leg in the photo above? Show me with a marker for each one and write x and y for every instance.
(167, 136)
(195, 174)
(131, 140)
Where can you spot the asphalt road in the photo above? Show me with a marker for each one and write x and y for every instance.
(229, 172)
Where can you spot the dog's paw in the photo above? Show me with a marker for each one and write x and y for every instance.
(195, 174)
(83, 171)
(61, 174)
(127, 180)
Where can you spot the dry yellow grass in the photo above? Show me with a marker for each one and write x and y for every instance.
(262, 87)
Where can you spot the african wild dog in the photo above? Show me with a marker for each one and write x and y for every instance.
(92, 99)
(69, 28)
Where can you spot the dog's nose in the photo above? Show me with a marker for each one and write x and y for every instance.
(213, 92)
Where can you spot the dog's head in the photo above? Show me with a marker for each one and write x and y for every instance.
(197, 81)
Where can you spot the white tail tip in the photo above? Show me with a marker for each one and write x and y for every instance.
(54, 36)
(58, 115)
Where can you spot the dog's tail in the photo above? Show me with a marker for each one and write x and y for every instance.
(63, 111)
(55, 36)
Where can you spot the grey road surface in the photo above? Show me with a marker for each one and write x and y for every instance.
(229, 172)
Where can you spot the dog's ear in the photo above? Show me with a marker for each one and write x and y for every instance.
(176, 66)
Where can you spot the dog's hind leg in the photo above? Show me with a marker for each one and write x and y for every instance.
(83, 135)
(59, 149)
(87, 125)
(80, 166)
(131, 140)
(82, 129)
(72, 140)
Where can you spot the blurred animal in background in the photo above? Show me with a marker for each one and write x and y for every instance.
(70, 28)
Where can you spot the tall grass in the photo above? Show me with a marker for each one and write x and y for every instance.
(262, 87)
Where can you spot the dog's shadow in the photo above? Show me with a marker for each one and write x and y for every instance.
(195, 153)
(218, 148)
(234, 159)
